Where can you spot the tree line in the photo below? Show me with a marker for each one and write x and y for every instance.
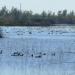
(16, 17)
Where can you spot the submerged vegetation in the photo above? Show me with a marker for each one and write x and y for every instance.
(16, 17)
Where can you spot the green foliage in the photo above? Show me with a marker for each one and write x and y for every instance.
(27, 18)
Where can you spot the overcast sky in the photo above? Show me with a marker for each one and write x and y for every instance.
(38, 6)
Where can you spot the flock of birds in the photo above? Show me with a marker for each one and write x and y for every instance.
(39, 32)
(33, 55)
(39, 54)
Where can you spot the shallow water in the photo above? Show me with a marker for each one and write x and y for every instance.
(45, 51)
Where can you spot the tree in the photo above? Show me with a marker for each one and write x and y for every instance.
(3, 12)
(64, 13)
(59, 13)
(44, 15)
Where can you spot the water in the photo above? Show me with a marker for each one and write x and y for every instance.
(37, 51)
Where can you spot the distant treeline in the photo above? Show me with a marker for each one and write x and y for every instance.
(27, 18)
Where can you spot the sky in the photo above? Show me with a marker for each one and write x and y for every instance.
(37, 6)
